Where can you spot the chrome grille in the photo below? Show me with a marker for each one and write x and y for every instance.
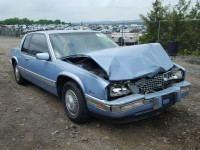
(148, 85)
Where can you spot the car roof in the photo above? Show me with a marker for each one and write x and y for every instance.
(65, 31)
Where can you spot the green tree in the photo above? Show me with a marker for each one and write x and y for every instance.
(194, 30)
(1, 22)
(14, 21)
(152, 21)
(176, 24)
(57, 21)
(26, 21)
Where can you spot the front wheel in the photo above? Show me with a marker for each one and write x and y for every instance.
(18, 77)
(74, 103)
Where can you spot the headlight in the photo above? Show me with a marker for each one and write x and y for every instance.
(118, 90)
(173, 75)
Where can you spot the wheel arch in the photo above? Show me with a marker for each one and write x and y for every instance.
(65, 77)
(14, 60)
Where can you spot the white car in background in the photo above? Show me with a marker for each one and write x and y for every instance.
(125, 38)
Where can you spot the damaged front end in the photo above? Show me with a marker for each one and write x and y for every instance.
(141, 80)
(140, 98)
(145, 85)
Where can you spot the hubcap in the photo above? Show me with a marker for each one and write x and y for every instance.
(71, 102)
(17, 73)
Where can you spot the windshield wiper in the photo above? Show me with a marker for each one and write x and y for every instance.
(73, 56)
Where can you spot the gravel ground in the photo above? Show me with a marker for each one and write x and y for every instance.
(31, 118)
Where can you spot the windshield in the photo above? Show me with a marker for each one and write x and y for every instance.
(65, 44)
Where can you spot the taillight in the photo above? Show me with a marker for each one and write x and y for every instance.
(131, 37)
(112, 37)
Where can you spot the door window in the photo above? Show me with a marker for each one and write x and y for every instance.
(38, 44)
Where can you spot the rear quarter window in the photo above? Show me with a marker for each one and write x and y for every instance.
(25, 44)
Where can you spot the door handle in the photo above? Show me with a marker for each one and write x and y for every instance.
(26, 59)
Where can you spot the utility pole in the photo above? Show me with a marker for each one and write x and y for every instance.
(122, 33)
(158, 30)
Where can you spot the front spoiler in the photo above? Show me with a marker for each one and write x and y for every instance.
(151, 102)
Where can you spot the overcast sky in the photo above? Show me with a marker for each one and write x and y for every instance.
(76, 10)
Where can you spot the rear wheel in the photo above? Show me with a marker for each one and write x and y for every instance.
(74, 103)
(18, 77)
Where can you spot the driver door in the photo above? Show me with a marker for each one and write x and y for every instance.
(40, 71)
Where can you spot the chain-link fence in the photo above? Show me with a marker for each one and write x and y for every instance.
(183, 34)
(10, 32)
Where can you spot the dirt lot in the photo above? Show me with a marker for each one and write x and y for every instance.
(31, 118)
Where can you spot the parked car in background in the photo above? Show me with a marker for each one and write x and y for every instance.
(93, 75)
(125, 38)
(106, 31)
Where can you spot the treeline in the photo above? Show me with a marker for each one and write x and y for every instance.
(14, 21)
(180, 23)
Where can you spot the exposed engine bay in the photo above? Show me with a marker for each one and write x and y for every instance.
(88, 64)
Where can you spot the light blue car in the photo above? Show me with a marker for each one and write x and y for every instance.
(93, 75)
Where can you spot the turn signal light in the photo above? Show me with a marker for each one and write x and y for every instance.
(100, 105)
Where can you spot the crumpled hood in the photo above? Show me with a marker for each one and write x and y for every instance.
(132, 62)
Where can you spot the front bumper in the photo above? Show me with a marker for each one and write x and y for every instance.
(138, 104)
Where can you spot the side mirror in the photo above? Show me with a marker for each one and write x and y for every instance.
(42, 56)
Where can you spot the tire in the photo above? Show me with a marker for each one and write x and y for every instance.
(18, 77)
(74, 103)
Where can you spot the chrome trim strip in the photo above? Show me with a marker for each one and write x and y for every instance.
(118, 102)
(129, 106)
(115, 106)
(39, 77)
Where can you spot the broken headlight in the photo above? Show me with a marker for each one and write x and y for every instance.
(173, 75)
(118, 90)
